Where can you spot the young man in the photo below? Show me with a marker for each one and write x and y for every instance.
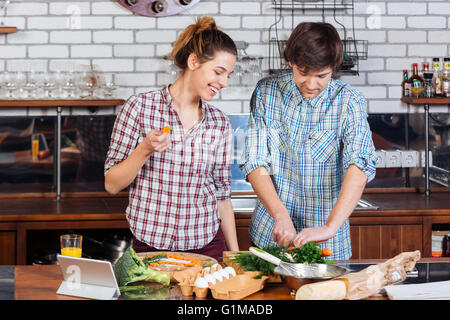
(309, 150)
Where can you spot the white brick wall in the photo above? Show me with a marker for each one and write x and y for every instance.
(54, 35)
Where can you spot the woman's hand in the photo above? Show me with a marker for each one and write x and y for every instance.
(156, 141)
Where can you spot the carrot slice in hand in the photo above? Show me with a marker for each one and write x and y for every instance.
(326, 252)
(166, 129)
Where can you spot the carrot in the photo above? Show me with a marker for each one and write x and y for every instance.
(326, 252)
(166, 129)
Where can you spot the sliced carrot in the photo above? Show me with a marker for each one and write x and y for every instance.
(326, 252)
(166, 129)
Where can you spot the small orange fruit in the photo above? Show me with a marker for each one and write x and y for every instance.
(166, 129)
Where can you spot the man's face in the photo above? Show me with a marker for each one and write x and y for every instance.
(312, 83)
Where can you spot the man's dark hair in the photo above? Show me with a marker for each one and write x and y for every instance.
(314, 46)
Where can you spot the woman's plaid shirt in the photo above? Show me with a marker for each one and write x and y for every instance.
(306, 145)
(173, 199)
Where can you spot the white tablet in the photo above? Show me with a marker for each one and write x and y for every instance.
(88, 278)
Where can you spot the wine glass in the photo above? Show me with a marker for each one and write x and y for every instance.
(30, 86)
(3, 5)
(235, 78)
(49, 85)
(173, 72)
(107, 85)
(69, 85)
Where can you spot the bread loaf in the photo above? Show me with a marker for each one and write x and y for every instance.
(326, 290)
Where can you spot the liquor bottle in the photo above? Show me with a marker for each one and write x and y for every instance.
(437, 77)
(425, 68)
(416, 81)
(406, 86)
(446, 78)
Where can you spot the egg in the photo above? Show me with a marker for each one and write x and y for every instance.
(206, 270)
(201, 283)
(218, 276)
(210, 278)
(215, 267)
(230, 271)
(224, 273)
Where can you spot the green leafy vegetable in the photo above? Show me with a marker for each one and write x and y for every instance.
(145, 293)
(308, 253)
(130, 268)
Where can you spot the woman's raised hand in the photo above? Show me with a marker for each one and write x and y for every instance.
(157, 141)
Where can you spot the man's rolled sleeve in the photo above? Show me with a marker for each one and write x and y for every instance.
(125, 134)
(359, 149)
(256, 153)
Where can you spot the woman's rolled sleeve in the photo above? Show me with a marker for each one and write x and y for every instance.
(124, 135)
(224, 158)
(256, 153)
(359, 149)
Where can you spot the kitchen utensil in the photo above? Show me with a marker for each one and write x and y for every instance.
(113, 246)
(319, 272)
(292, 269)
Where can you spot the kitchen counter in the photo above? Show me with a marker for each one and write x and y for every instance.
(403, 222)
(42, 282)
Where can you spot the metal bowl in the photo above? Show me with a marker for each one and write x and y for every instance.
(309, 273)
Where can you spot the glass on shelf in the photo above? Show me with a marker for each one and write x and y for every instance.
(88, 82)
(49, 86)
(108, 86)
(69, 89)
(236, 76)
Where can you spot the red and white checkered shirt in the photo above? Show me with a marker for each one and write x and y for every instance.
(173, 199)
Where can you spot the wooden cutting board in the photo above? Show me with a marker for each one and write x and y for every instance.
(170, 269)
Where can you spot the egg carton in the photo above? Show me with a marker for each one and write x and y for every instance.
(206, 279)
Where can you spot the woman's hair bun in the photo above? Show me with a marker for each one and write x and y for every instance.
(203, 38)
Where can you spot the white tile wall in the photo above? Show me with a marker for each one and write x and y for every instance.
(59, 34)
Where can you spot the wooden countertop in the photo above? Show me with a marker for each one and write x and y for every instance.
(41, 282)
(103, 207)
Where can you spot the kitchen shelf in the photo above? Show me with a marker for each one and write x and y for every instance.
(426, 102)
(8, 30)
(421, 100)
(59, 104)
(62, 103)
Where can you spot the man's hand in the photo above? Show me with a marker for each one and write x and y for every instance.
(283, 230)
(156, 141)
(317, 234)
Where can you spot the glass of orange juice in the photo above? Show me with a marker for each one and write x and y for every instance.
(71, 245)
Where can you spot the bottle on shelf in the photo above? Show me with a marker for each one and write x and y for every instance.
(406, 86)
(416, 81)
(446, 78)
(428, 89)
(437, 77)
(425, 68)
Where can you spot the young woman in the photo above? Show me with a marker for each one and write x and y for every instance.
(180, 182)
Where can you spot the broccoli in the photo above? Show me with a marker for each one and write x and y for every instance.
(129, 268)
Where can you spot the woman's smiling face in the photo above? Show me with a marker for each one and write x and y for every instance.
(211, 76)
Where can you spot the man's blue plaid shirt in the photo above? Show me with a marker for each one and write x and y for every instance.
(306, 145)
